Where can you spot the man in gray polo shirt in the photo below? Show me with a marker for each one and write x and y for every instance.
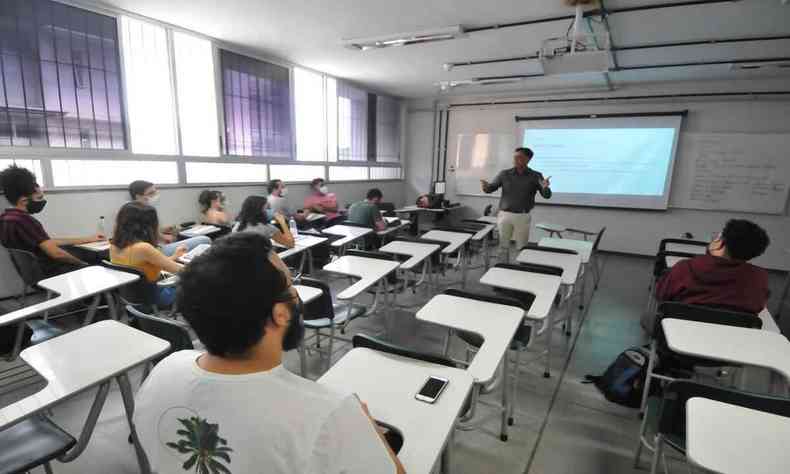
(519, 186)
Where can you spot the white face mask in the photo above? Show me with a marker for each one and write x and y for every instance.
(323, 190)
(283, 192)
(153, 199)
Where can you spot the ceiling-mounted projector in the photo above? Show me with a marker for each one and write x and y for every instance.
(584, 53)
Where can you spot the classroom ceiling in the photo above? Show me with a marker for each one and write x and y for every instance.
(309, 32)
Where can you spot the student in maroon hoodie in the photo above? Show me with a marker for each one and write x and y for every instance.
(722, 278)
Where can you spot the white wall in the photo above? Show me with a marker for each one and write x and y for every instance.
(70, 214)
(627, 230)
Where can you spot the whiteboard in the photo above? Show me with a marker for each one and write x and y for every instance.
(481, 156)
(732, 172)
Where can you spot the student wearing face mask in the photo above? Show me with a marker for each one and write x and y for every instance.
(320, 200)
(20, 230)
(278, 200)
(145, 192)
(240, 302)
(255, 216)
(213, 208)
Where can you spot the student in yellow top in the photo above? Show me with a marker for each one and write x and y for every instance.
(213, 210)
(134, 244)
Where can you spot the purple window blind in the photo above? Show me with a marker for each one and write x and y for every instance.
(257, 107)
(60, 82)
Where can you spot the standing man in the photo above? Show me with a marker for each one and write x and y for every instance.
(519, 185)
(278, 202)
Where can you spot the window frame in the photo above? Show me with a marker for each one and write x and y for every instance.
(45, 153)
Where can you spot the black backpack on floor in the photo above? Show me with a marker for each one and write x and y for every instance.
(623, 381)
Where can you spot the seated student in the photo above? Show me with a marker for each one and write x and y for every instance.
(249, 413)
(320, 200)
(212, 205)
(145, 192)
(254, 218)
(722, 278)
(278, 201)
(429, 201)
(20, 230)
(134, 245)
(367, 212)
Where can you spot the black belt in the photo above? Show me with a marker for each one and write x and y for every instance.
(517, 212)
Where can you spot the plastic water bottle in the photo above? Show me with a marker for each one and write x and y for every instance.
(100, 228)
(292, 226)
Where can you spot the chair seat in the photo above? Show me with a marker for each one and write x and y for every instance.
(32, 443)
(42, 331)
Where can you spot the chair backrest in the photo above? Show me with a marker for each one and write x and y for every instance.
(531, 267)
(541, 248)
(363, 340)
(483, 297)
(27, 266)
(11, 283)
(487, 210)
(388, 208)
(598, 239)
(473, 224)
(459, 229)
(171, 331)
(672, 420)
(322, 306)
(660, 265)
(139, 293)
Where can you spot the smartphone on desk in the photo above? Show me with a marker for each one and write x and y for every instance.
(431, 389)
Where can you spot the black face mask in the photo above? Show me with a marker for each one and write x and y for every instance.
(34, 207)
(295, 332)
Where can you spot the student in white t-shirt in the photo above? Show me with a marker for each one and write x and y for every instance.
(235, 408)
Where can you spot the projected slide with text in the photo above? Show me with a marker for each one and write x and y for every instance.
(623, 161)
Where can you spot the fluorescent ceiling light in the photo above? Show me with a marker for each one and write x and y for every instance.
(745, 66)
(404, 39)
(447, 85)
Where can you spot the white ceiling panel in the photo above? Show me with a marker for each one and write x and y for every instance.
(309, 32)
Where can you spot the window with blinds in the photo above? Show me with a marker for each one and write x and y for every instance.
(257, 107)
(60, 78)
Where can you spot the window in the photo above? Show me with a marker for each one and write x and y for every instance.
(387, 129)
(297, 173)
(385, 173)
(348, 173)
(309, 115)
(352, 123)
(32, 165)
(112, 172)
(257, 107)
(197, 98)
(149, 87)
(331, 118)
(226, 173)
(60, 82)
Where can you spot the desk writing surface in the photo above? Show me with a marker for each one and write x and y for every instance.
(368, 270)
(729, 344)
(70, 287)
(455, 239)
(569, 263)
(583, 247)
(544, 287)
(81, 359)
(417, 251)
(99, 246)
(483, 233)
(308, 293)
(731, 439)
(349, 233)
(495, 323)
(390, 398)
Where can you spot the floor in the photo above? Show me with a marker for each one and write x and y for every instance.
(562, 426)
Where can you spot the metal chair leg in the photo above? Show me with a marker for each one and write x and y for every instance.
(657, 454)
(648, 379)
